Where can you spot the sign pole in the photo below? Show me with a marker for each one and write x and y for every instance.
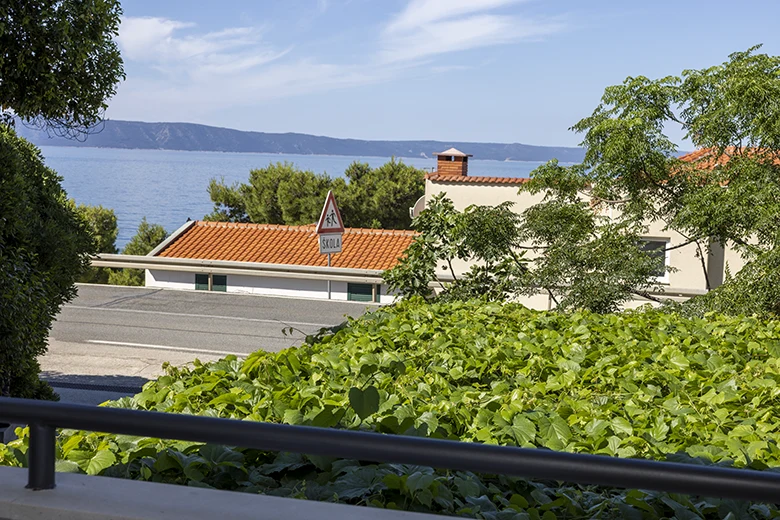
(330, 229)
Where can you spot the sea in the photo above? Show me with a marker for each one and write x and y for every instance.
(170, 186)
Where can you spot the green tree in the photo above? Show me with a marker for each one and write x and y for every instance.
(381, 197)
(44, 246)
(59, 62)
(58, 65)
(261, 195)
(102, 225)
(580, 260)
(731, 197)
(283, 194)
(146, 238)
(581, 257)
(301, 197)
(486, 236)
(228, 202)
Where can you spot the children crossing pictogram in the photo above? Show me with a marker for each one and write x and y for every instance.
(330, 219)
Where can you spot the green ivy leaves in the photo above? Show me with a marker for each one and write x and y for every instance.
(640, 384)
(364, 402)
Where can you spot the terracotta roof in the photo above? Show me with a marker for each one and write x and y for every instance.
(454, 152)
(475, 179)
(289, 245)
(705, 158)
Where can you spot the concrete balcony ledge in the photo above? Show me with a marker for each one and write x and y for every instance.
(81, 497)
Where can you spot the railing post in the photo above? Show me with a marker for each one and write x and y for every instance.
(40, 457)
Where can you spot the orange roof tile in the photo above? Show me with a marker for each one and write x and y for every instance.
(460, 179)
(705, 158)
(289, 245)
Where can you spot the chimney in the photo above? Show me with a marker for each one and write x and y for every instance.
(452, 162)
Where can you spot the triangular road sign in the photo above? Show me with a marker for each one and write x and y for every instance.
(330, 219)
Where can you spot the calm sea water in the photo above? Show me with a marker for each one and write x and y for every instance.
(168, 187)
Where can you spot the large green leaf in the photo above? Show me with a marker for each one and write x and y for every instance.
(364, 402)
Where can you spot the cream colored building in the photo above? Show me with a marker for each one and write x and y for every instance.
(685, 279)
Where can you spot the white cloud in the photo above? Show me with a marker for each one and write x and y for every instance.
(429, 27)
(177, 72)
(190, 74)
(203, 97)
(419, 13)
(156, 42)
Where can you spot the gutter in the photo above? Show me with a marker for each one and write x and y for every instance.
(189, 265)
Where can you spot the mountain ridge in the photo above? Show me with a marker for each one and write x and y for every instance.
(197, 137)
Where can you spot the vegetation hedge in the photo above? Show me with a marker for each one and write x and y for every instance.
(638, 384)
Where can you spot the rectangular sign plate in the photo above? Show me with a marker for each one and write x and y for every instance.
(330, 243)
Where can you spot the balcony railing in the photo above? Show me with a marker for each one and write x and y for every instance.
(44, 417)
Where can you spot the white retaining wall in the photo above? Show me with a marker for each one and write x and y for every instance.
(265, 285)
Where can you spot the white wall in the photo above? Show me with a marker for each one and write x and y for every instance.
(271, 286)
(169, 279)
(276, 286)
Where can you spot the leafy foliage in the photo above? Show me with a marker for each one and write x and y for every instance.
(146, 238)
(579, 258)
(585, 259)
(101, 224)
(641, 384)
(731, 198)
(59, 61)
(44, 247)
(283, 194)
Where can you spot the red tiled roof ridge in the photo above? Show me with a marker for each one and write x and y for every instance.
(475, 179)
(306, 228)
(708, 154)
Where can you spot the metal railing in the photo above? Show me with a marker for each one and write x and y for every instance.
(44, 417)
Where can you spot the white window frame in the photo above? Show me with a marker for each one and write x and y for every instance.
(667, 257)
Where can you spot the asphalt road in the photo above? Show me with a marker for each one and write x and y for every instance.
(195, 321)
(116, 338)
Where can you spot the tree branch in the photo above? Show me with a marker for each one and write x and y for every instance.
(647, 295)
(703, 266)
(452, 271)
(606, 201)
(525, 270)
(687, 242)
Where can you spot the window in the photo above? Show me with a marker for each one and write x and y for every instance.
(218, 282)
(362, 292)
(657, 249)
(201, 282)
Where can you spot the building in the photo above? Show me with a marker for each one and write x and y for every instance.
(276, 260)
(685, 280)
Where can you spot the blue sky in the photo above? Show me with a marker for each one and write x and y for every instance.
(451, 70)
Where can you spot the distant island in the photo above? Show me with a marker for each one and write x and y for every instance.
(194, 137)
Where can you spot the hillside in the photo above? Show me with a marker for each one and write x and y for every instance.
(193, 137)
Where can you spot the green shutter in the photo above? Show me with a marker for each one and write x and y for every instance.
(359, 292)
(201, 282)
(219, 283)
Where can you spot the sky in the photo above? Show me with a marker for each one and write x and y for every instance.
(515, 71)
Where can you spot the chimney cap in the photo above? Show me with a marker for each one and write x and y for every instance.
(453, 152)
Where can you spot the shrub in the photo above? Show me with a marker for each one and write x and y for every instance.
(641, 384)
(44, 247)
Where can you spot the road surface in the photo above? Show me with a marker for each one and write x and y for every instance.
(110, 340)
